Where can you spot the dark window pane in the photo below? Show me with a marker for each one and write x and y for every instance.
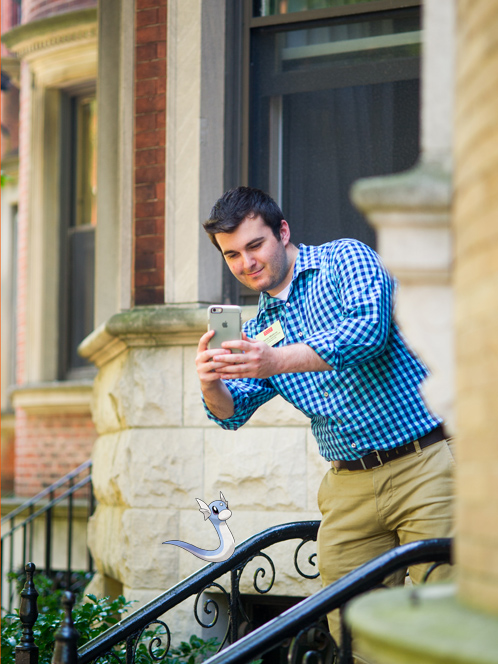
(79, 218)
(274, 7)
(81, 291)
(334, 137)
(329, 105)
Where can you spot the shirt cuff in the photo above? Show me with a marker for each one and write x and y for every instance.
(324, 348)
(236, 420)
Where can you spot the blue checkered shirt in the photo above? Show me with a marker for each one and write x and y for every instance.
(341, 304)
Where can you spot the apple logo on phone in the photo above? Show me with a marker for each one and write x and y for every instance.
(224, 324)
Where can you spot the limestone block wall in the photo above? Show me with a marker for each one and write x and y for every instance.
(157, 452)
(476, 286)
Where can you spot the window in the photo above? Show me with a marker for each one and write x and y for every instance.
(79, 219)
(332, 95)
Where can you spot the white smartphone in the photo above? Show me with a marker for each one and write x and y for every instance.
(226, 321)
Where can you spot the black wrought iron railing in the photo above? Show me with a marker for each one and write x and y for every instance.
(302, 627)
(302, 630)
(132, 629)
(296, 623)
(31, 526)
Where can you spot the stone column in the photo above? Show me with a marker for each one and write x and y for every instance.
(476, 288)
(448, 623)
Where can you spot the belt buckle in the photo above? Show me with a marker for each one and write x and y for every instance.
(381, 463)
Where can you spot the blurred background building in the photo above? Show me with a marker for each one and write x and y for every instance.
(122, 122)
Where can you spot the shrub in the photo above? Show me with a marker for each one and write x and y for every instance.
(91, 618)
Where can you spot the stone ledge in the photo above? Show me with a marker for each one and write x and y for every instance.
(427, 187)
(411, 212)
(147, 327)
(424, 624)
(51, 32)
(59, 511)
(54, 397)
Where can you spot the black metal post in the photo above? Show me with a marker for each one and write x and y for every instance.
(69, 536)
(11, 565)
(48, 538)
(91, 509)
(27, 650)
(346, 652)
(233, 607)
(66, 637)
(31, 532)
(24, 544)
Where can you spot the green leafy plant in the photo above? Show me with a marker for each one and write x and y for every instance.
(91, 617)
(193, 652)
(5, 178)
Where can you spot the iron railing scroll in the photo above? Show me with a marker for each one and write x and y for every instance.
(301, 630)
(20, 528)
(138, 625)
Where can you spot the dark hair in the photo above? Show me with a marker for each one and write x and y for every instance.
(235, 205)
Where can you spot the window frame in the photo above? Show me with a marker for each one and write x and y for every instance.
(68, 226)
(240, 22)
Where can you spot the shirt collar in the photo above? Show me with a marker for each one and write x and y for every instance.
(308, 258)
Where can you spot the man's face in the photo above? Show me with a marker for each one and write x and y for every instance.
(255, 256)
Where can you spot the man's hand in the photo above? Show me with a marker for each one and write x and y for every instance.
(216, 395)
(257, 360)
(207, 368)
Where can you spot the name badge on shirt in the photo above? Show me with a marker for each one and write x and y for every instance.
(272, 335)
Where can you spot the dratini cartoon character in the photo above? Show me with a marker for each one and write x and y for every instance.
(218, 513)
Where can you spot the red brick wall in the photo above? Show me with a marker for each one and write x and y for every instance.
(33, 10)
(48, 447)
(9, 19)
(149, 151)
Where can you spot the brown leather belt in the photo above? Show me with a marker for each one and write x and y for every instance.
(380, 457)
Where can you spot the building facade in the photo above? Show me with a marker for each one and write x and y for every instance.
(134, 118)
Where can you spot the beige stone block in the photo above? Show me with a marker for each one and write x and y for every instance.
(474, 481)
(149, 467)
(478, 556)
(478, 592)
(106, 413)
(317, 466)
(149, 392)
(425, 315)
(127, 546)
(418, 247)
(258, 468)
(477, 522)
(147, 562)
(105, 540)
(278, 413)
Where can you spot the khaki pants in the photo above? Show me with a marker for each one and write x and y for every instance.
(368, 512)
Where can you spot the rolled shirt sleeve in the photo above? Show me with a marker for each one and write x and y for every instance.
(366, 294)
(248, 395)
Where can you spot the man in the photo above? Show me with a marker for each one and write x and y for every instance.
(338, 357)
